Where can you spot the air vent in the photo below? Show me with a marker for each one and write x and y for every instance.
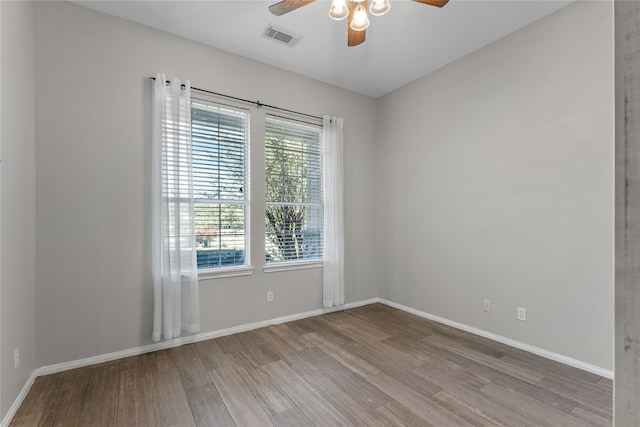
(281, 36)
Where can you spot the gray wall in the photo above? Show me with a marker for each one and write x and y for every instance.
(94, 291)
(627, 359)
(455, 222)
(495, 180)
(17, 203)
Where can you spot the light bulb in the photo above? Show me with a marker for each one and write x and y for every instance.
(338, 10)
(379, 7)
(360, 19)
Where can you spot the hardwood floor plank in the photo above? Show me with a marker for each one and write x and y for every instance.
(605, 383)
(390, 323)
(343, 356)
(382, 355)
(463, 349)
(240, 402)
(39, 397)
(399, 415)
(349, 405)
(422, 386)
(100, 403)
(212, 355)
(469, 342)
(64, 409)
(309, 401)
(462, 394)
(257, 347)
(66, 401)
(544, 367)
(27, 420)
(190, 366)
(300, 327)
(207, 407)
(408, 345)
(443, 373)
(420, 405)
(355, 328)
(230, 344)
(266, 391)
(372, 366)
(591, 416)
(499, 377)
(415, 323)
(165, 394)
(584, 392)
(298, 342)
(537, 412)
(346, 379)
(157, 361)
(291, 418)
(322, 327)
(284, 351)
(278, 336)
(473, 407)
(133, 408)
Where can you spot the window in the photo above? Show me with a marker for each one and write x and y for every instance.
(220, 184)
(293, 191)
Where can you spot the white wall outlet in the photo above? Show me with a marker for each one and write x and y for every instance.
(16, 358)
(486, 306)
(522, 314)
(270, 296)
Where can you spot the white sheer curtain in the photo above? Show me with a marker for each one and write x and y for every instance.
(333, 276)
(174, 263)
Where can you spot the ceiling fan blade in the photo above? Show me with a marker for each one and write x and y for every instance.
(436, 3)
(286, 6)
(354, 38)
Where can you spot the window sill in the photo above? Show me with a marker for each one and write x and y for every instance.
(296, 265)
(226, 272)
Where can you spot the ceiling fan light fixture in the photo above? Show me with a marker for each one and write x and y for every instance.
(379, 7)
(360, 20)
(354, 10)
(338, 10)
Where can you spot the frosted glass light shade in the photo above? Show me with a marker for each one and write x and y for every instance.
(360, 19)
(379, 7)
(338, 10)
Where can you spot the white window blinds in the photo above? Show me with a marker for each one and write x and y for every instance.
(220, 183)
(293, 185)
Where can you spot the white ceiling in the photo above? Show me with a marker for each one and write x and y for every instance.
(410, 41)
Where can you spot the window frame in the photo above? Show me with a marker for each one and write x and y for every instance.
(201, 102)
(304, 263)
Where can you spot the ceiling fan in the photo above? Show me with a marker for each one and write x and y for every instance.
(355, 10)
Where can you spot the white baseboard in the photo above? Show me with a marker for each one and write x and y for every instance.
(16, 404)
(60, 367)
(508, 341)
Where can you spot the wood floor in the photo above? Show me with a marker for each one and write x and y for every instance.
(369, 366)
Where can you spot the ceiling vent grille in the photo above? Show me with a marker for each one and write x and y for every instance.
(281, 36)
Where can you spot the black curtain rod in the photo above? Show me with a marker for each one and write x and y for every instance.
(256, 103)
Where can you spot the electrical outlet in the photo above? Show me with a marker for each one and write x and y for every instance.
(486, 306)
(16, 358)
(522, 314)
(270, 296)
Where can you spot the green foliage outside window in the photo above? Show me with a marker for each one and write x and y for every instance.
(293, 185)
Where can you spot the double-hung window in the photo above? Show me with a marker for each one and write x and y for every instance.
(220, 136)
(293, 191)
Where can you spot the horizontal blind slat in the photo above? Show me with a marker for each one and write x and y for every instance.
(293, 216)
(219, 159)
